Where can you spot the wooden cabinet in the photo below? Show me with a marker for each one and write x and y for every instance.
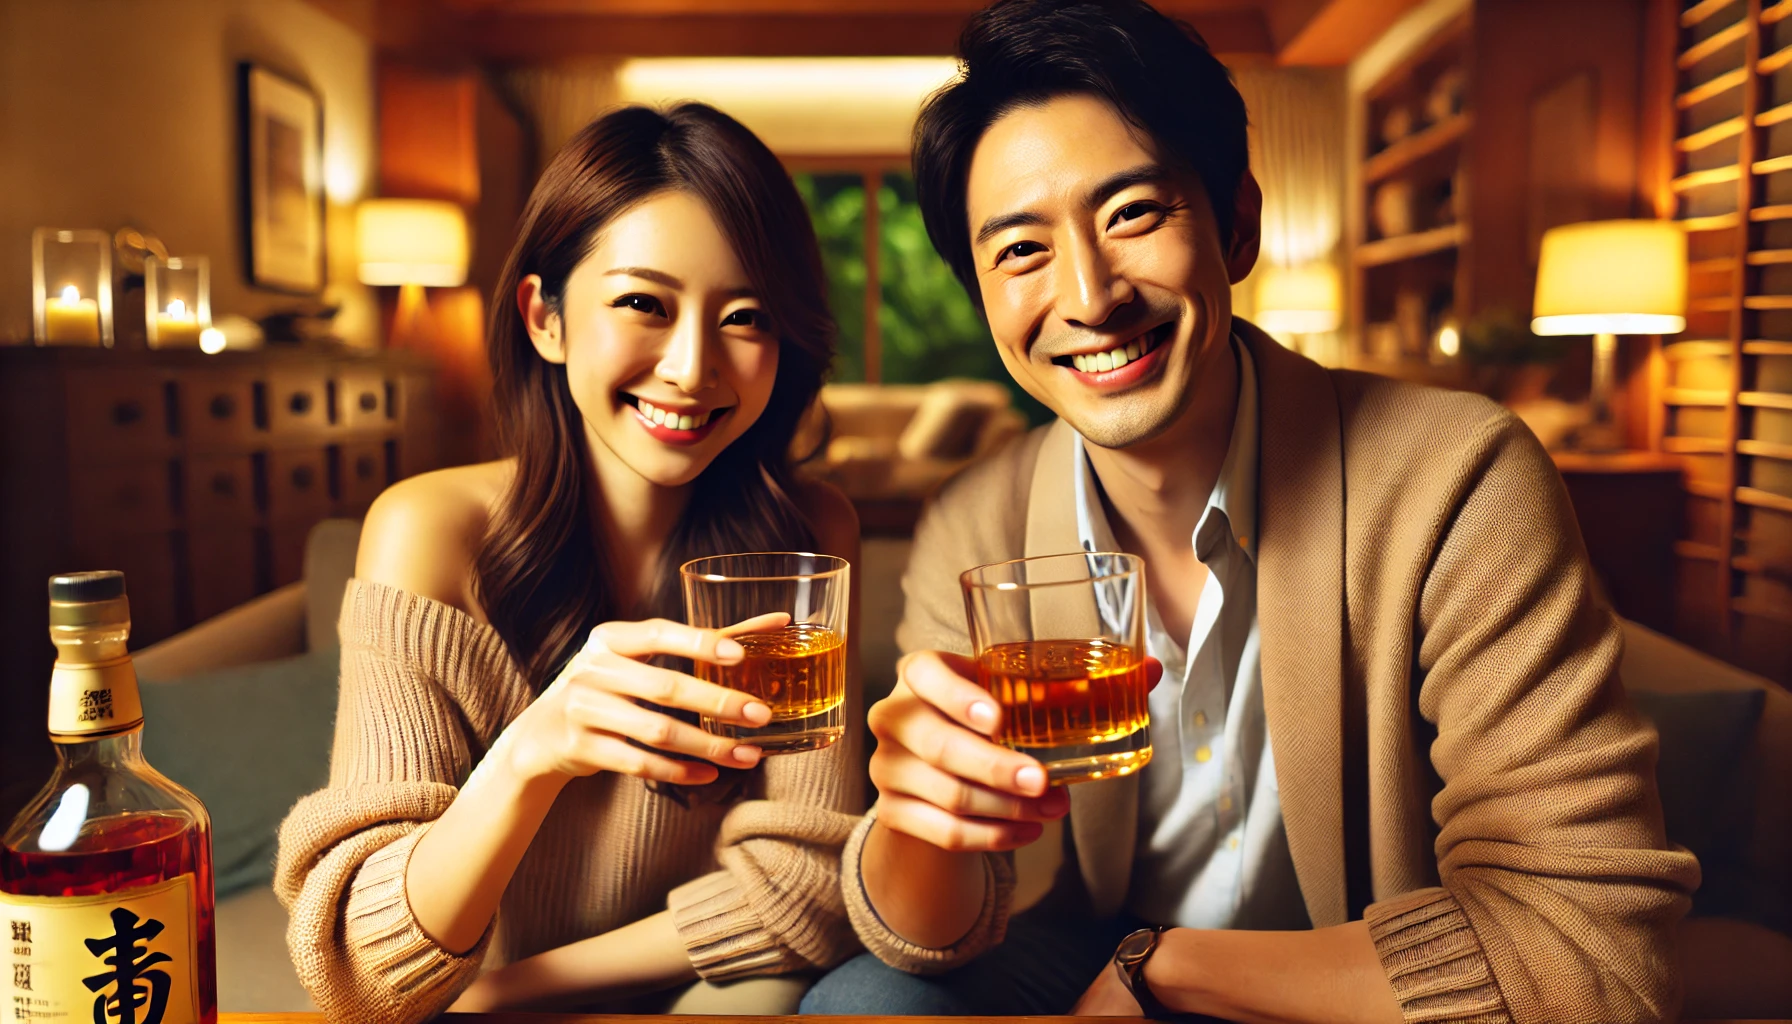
(198, 476)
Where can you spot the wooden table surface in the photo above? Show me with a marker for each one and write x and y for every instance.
(587, 1018)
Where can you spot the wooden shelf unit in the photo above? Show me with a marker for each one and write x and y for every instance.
(1724, 404)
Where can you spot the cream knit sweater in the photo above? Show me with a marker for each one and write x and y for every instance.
(751, 873)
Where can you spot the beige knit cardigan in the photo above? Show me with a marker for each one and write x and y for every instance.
(752, 882)
(1456, 758)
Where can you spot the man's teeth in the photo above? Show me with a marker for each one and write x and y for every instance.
(1115, 357)
(672, 420)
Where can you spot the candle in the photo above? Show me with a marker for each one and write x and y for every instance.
(70, 319)
(176, 326)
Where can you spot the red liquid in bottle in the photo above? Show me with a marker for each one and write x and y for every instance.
(130, 851)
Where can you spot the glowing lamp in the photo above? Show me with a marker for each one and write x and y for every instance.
(412, 241)
(1299, 300)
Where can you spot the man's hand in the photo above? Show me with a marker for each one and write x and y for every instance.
(1107, 997)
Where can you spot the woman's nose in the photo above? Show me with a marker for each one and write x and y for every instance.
(685, 363)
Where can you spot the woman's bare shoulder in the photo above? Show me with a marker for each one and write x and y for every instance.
(423, 533)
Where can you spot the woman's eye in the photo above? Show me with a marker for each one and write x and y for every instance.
(1019, 250)
(745, 318)
(641, 304)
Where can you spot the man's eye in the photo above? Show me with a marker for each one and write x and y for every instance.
(1019, 250)
(641, 304)
(745, 318)
(1133, 211)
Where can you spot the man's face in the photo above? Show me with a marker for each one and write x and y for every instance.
(1100, 266)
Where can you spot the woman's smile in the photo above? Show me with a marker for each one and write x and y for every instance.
(674, 425)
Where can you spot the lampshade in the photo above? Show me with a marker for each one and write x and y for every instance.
(412, 241)
(1299, 300)
(1612, 277)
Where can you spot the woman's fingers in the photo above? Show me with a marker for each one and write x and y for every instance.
(612, 753)
(948, 831)
(606, 712)
(756, 624)
(671, 689)
(663, 636)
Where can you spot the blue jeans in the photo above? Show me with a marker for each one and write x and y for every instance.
(1041, 969)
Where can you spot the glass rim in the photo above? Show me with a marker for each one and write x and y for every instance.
(1135, 564)
(840, 565)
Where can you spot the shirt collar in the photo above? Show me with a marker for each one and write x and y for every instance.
(1234, 495)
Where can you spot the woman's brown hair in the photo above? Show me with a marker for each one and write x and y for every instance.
(540, 576)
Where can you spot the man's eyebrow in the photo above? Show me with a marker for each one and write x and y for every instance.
(1104, 190)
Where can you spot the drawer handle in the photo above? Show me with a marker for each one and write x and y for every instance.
(224, 485)
(300, 403)
(365, 466)
(126, 413)
(222, 407)
(302, 478)
(369, 401)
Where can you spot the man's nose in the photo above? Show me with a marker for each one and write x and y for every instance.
(1088, 289)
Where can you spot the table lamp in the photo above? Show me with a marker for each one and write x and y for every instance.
(411, 243)
(1299, 300)
(1607, 278)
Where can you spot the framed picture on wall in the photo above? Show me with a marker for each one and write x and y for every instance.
(282, 134)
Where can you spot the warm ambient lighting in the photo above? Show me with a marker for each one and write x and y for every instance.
(211, 341)
(412, 241)
(1299, 300)
(1607, 278)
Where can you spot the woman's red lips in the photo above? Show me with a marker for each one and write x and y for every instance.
(675, 436)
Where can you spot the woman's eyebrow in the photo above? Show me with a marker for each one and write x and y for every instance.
(661, 277)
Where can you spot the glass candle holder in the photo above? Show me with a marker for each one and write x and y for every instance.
(177, 300)
(71, 287)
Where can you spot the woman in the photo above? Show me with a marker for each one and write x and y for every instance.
(659, 328)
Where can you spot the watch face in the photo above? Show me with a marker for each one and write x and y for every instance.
(1136, 945)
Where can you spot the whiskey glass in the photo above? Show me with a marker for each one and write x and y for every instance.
(796, 667)
(1059, 642)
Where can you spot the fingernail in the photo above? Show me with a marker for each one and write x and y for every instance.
(747, 755)
(726, 648)
(1030, 778)
(983, 714)
(757, 713)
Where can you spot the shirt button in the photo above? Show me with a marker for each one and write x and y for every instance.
(1232, 843)
(1203, 754)
(1200, 718)
(1225, 803)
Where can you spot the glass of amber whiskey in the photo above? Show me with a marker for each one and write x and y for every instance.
(1059, 642)
(796, 656)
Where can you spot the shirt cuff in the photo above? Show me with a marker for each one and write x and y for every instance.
(1434, 960)
(722, 934)
(990, 927)
(389, 944)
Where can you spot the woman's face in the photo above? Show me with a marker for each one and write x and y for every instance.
(669, 354)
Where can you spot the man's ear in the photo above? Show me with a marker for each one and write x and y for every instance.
(1247, 228)
(540, 319)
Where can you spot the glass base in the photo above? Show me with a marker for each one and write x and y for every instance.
(1086, 762)
(787, 736)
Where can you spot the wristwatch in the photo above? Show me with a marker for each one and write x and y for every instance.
(1130, 959)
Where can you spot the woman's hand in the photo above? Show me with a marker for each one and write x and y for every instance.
(592, 718)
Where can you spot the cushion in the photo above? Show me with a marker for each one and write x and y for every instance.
(249, 741)
(1707, 782)
(329, 562)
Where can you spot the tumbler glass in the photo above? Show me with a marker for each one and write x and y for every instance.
(1060, 643)
(797, 667)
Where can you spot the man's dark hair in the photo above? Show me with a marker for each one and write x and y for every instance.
(1157, 72)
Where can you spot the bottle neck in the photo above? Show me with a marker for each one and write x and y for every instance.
(120, 751)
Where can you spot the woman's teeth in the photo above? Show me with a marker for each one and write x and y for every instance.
(1115, 357)
(672, 420)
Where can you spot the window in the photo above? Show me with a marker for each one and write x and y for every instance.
(904, 319)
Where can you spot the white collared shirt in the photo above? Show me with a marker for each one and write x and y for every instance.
(1211, 851)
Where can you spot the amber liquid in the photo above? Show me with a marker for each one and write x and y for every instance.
(1057, 693)
(798, 671)
(126, 852)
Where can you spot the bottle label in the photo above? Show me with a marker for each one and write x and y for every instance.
(93, 700)
(120, 958)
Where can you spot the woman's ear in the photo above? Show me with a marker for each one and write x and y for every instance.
(540, 319)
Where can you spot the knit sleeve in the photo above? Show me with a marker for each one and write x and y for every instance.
(1560, 892)
(401, 750)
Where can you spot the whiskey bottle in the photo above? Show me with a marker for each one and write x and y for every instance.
(106, 876)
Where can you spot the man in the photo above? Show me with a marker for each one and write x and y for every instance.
(1395, 774)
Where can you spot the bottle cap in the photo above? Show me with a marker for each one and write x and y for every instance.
(83, 587)
(88, 600)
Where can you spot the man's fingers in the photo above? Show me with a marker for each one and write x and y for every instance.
(948, 831)
(608, 712)
(663, 636)
(945, 681)
(671, 689)
(929, 735)
(905, 775)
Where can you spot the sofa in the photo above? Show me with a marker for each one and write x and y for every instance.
(1725, 772)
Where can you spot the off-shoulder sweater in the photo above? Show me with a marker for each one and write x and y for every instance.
(749, 867)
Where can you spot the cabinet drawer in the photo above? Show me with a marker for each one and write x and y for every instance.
(298, 484)
(361, 400)
(221, 489)
(113, 414)
(297, 404)
(122, 500)
(363, 473)
(223, 564)
(217, 409)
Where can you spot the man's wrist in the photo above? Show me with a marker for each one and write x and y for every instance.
(1174, 969)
